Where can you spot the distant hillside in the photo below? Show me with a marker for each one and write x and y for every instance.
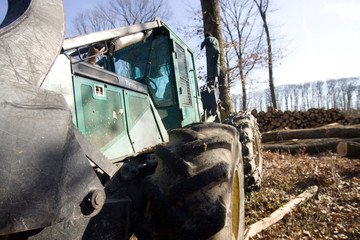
(343, 93)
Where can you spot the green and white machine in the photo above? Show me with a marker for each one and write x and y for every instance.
(142, 85)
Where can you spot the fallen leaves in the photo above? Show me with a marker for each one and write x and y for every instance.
(334, 213)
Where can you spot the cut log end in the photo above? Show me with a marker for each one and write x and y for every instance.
(348, 149)
(341, 148)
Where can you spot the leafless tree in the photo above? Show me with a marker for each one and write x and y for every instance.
(332, 93)
(119, 13)
(243, 44)
(293, 97)
(97, 19)
(305, 93)
(81, 26)
(243, 41)
(318, 90)
(347, 92)
(286, 93)
(131, 12)
(263, 7)
(235, 101)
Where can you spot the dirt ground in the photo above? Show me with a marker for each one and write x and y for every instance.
(333, 213)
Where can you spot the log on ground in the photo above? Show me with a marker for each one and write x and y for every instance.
(348, 149)
(310, 146)
(280, 213)
(322, 132)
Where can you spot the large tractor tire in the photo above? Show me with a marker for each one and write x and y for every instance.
(250, 139)
(197, 190)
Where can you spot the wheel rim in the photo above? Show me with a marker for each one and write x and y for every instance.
(235, 206)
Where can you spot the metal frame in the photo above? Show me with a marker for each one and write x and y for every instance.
(78, 41)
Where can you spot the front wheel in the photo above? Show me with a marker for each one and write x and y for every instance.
(197, 190)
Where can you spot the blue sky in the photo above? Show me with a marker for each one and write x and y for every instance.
(322, 37)
(3, 8)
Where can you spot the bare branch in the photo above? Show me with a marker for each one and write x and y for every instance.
(120, 13)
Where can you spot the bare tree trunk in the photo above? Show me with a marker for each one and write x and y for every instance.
(244, 96)
(212, 24)
(241, 39)
(263, 7)
(270, 65)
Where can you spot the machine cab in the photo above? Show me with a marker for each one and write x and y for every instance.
(165, 64)
(127, 101)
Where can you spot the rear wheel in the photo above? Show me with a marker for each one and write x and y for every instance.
(197, 190)
(250, 139)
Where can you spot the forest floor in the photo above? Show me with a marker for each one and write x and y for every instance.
(333, 213)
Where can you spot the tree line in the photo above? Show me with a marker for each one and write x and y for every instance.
(341, 93)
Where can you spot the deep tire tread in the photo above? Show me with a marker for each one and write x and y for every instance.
(248, 129)
(207, 144)
(192, 182)
(190, 185)
(174, 161)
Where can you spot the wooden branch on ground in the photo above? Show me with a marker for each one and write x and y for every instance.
(311, 133)
(280, 213)
(310, 147)
(348, 149)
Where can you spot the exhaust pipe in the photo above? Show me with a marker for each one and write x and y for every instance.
(131, 39)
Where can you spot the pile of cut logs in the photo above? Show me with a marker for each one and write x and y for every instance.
(345, 140)
(275, 119)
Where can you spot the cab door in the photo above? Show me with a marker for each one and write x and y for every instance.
(186, 88)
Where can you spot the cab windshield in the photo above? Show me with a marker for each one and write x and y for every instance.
(149, 62)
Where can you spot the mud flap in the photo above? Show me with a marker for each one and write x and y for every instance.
(31, 37)
(44, 173)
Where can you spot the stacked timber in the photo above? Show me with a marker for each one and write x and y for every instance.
(345, 140)
(275, 119)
